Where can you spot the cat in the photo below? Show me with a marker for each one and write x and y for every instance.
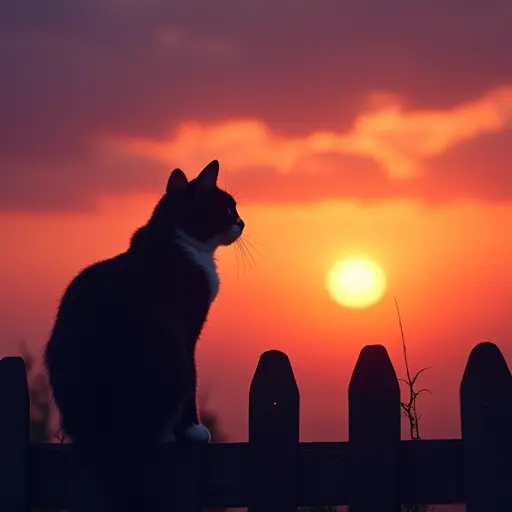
(121, 355)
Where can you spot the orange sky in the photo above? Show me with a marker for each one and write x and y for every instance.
(369, 136)
(448, 267)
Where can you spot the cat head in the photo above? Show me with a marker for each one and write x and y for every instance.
(199, 209)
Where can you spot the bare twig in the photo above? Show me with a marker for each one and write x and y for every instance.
(409, 407)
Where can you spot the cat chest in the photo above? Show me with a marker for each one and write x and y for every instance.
(205, 263)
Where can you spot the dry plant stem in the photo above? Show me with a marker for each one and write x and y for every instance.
(409, 408)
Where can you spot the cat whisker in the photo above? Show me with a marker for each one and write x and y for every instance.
(227, 179)
(246, 254)
(251, 244)
(242, 253)
(236, 193)
(229, 184)
(247, 237)
(246, 250)
(237, 255)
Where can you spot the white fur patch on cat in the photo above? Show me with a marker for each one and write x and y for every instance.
(196, 433)
(202, 256)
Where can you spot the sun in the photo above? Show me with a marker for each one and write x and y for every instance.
(356, 282)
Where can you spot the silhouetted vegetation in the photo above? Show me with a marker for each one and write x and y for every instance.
(409, 407)
(40, 400)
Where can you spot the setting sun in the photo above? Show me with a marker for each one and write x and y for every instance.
(356, 282)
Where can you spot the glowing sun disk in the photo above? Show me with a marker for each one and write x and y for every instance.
(356, 282)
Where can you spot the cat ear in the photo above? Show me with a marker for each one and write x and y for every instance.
(208, 176)
(177, 180)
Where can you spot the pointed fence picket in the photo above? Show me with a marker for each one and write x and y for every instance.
(274, 472)
(374, 433)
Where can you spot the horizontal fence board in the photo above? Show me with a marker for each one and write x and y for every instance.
(186, 496)
(431, 471)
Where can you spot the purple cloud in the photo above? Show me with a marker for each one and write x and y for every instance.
(75, 71)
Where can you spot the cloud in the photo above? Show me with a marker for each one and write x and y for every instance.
(480, 169)
(389, 152)
(75, 73)
(402, 139)
(397, 138)
(77, 184)
(326, 176)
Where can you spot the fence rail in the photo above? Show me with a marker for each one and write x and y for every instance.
(273, 472)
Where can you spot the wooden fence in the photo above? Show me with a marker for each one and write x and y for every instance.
(273, 472)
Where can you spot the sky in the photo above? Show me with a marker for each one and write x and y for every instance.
(343, 127)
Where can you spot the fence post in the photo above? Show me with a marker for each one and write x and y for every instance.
(486, 420)
(273, 435)
(14, 436)
(374, 433)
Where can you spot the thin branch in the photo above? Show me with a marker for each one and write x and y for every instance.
(409, 408)
(403, 339)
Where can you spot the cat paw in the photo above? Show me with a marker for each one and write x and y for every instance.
(198, 433)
